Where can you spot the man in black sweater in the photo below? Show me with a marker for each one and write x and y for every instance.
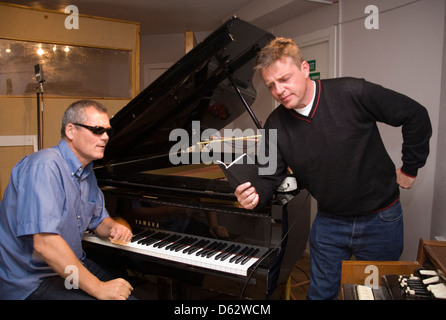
(327, 135)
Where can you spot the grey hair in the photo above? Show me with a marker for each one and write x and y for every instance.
(75, 113)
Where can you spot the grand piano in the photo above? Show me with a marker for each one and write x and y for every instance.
(188, 227)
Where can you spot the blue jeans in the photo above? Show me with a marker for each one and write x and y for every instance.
(53, 288)
(377, 237)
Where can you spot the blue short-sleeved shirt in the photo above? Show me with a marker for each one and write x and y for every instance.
(48, 192)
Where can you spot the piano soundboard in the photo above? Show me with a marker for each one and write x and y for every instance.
(219, 255)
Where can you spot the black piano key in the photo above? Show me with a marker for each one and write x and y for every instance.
(216, 250)
(172, 245)
(215, 246)
(190, 241)
(221, 254)
(238, 254)
(222, 247)
(142, 235)
(227, 255)
(149, 241)
(205, 250)
(138, 236)
(179, 243)
(157, 236)
(241, 257)
(197, 246)
(165, 242)
(176, 247)
(193, 249)
(144, 240)
(186, 242)
(244, 261)
(174, 242)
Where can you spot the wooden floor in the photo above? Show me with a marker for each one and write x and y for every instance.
(299, 279)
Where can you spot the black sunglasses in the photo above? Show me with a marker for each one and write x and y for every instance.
(96, 130)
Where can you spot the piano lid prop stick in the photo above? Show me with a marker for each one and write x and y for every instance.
(248, 108)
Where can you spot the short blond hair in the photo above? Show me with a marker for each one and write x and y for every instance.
(275, 50)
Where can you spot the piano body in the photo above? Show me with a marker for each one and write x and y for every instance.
(190, 202)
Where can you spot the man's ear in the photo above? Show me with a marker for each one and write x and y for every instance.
(305, 67)
(70, 131)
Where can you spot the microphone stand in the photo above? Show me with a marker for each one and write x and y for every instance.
(39, 93)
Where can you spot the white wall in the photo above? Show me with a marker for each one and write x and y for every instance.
(405, 54)
(439, 204)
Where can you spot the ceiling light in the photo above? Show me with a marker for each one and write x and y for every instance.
(40, 51)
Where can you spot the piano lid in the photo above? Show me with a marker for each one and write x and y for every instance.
(196, 88)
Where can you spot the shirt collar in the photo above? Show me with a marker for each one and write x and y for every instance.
(73, 162)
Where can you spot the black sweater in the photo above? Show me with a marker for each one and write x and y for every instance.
(337, 154)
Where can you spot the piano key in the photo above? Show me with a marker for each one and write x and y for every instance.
(237, 255)
(165, 242)
(229, 253)
(246, 254)
(204, 251)
(250, 256)
(152, 244)
(198, 246)
(188, 241)
(221, 254)
(141, 235)
(214, 246)
(217, 249)
(153, 238)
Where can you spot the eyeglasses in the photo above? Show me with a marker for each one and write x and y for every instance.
(96, 130)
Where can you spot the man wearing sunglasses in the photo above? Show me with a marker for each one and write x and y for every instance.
(51, 200)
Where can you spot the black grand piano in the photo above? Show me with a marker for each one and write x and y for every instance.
(188, 226)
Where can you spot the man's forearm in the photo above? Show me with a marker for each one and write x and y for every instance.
(58, 255)
(103, 229)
